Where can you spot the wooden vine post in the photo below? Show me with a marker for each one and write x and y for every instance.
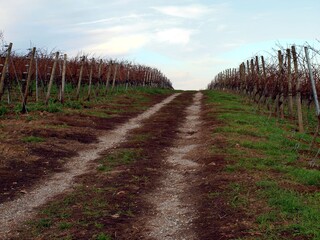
(52, 77)
(298, 89)
(108, 76)
(289, 78)
(242, 81)
(253, 87)
(145, 77)
(149, 77)
(248, 77)
(313, 84)
(99, 77)
(37, 79)
(114, 76)
(90, 80)
(128, 77)
(4, 69)
(80, 78)
(265, 90)
(63, 80)
(100, 70)
(259, 82)
(26, 90)
(281, 94)
(245, 78)
(315, 94)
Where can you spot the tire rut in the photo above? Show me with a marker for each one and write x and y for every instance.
(17, 211)
(174, 212)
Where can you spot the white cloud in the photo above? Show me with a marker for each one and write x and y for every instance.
(119, 29)
(191, 11)
(105, 20)
(174, 36)
(119, 45)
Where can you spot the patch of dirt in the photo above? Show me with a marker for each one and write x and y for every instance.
(66, 134)
(23, 164)
(50, 152)
(18, 176)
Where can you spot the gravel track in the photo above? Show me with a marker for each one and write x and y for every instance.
(17, 211)
(173, 208)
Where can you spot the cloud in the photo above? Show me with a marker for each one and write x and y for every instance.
(132, 28)
(191, 11)
(119, 45)
(105, 20)
(174, 36)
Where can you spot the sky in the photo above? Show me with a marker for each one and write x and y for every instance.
(189, 41)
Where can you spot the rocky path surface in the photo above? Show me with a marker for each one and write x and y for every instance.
(15, 212)
(174, 210)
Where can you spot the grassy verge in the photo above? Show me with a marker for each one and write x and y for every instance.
(138, 94)
(270, 160)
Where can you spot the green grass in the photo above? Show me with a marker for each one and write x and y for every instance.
(52, 107)
(103, 236)
(100, 114)
(140, 137)
(43, 223)
(117, 158)
(73, 104)
(268, 138)
(269, 148)
(57, 126)
(3, 110)
(57, 214)
(301, 211)
(33, 139)
(136, 94)
(236, 196)
(305, 176)
(65, 225)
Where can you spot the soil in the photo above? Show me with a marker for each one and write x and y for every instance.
(14, 212)
(23, 164)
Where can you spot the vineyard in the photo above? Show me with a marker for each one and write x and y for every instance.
(286, 84)
(45, 77)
